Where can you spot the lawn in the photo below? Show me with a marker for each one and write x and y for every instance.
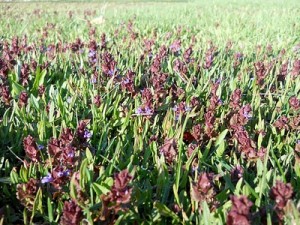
(148, 112)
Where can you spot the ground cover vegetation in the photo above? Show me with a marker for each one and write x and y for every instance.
(150, 113)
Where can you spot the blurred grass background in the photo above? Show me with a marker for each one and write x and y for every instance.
(244, 21)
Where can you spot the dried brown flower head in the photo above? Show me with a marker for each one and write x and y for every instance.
(294, 103)
(109, 65)
(281, 193)
(54, 146)
(31, 149)
(240, 211)
(23, 98)
(236, 173)
(41, 90)
(204, 190)
(235, 98)
(210, 119)
(60, 176)
(66, 136)
(283, 72)
(72, 213)
(198, 132)
(119, 196)
(295, 123)
(169, 150)
(296, 68)
(97, 100)
(282, 123)
(5, 94)
(26, 193)
(191, 148)
(261, 72)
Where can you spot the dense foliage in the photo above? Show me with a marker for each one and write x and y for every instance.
(117, 119)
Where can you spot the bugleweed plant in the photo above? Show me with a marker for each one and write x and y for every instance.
(119, 114)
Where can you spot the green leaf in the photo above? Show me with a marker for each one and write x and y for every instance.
(39, 79)
(51, 112)
(16, 89)
(14, 178)
(37, 205)
(100, 189)
(109, 181)
(252, 191)
(89, 155)
(5, 117)
(83, 174)
(25, 216)
(50, 210)
(220, 143)
(221, 137)
(23, 174)
(238, 186)
(35, 102)
(206, 213)
(73, 187)
(165, 211)
(175, 191)
(60, 104)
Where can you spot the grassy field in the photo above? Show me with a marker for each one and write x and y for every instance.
(147, 112)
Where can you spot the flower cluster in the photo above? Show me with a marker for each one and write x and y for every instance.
(31, 149)
(181, 109)
(64, 155)
(26, 193)
(240, 211)
(284, 123)
(109, 65)
(169, 150)
(127, 83)
(296, 68)
(204, 190)
(176, 47)
(209, 57)
(281, 193)
(157, 76)
(72, 213)
(236, 173)
(119, 196)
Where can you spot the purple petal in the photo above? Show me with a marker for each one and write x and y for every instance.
(47, 179)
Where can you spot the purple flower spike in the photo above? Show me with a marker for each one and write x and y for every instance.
(87, 134)
(148, 110)
(91, 54)
(41, 147)
(66, 173)
(139, 110)
(60, 174)
(71, 155)
(47, 179)
(126, 81)
(112, 72)
(220, 102)
(187, 108)
(247, 115)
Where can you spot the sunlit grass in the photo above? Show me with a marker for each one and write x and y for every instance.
(177, 108)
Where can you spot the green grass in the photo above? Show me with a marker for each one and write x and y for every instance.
(161, 190)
